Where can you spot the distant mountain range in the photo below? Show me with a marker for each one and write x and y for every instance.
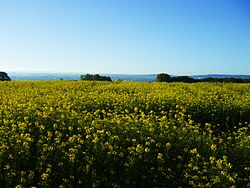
(127, 77)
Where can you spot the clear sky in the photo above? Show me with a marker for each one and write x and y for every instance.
(181, 37)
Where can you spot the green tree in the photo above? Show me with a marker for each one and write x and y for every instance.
(185, 79)
(4, 76)
(95, 77)
(163, 77)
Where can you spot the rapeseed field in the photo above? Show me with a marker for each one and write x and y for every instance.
(124, 134)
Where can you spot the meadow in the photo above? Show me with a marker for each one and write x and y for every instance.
(124, 134)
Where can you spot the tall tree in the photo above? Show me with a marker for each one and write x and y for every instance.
(163, 77)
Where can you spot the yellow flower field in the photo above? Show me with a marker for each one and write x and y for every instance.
(124, 134)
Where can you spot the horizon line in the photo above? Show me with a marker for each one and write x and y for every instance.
(63, 72)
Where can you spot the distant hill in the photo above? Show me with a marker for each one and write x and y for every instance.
(75, 76)
(135, 77)
(127, 77)
(220, 76)
(44, 76)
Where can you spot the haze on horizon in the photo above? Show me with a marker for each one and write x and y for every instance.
(125, 36)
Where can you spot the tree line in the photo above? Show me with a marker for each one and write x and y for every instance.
(96, 77)
(163, 77)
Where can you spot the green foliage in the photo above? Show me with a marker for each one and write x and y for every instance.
(226, 80)
(96, 77)
(124, 134)
(185, 79)
(4, 76)
(162, 77)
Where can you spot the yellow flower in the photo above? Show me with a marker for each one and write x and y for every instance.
(147, 150)
(213, 147)
(160, 156)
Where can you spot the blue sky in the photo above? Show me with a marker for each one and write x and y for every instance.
(182, 37)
